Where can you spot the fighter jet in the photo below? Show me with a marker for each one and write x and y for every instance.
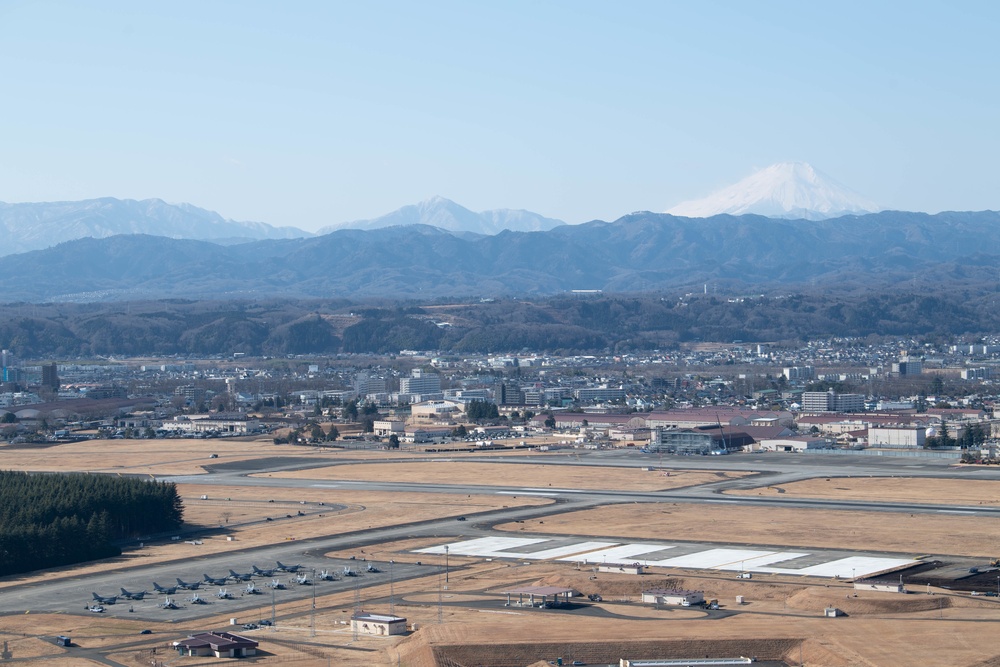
(326, 575)
(168, 590)
(262, 573)
(223, 594)
(246, 576)
(251, 589)
(288, 568)
(196, 599)
(348, 572)
(100, 599)
(372, 568)
(215, 582)
(303, 579)
(276, 585)
(133, 596)
(167, 604)
(188, 585)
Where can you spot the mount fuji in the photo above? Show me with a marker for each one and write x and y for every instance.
(792, 190)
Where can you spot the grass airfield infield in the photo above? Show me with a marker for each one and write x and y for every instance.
(781, 618)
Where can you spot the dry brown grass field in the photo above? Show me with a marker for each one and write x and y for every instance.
(888, 489)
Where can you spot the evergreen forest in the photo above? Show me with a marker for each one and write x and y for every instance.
(58, 519)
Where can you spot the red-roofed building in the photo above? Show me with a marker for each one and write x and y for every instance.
(219, 644)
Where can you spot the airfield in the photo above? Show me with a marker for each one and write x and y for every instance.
(439, 537)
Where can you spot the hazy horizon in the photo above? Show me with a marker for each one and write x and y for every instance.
(321, 113)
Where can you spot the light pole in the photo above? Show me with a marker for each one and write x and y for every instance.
(392, 607)
(446, 566)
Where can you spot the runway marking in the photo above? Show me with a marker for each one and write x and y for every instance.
(324, 486)
(953, 512)
(558, 490)
(524, 493)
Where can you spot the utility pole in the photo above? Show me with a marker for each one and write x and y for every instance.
(312, 613)
(392, 606)
(446, 566)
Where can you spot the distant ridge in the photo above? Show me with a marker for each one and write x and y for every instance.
(637, 253)
(34, 226)
(449, 216)
(793, 190)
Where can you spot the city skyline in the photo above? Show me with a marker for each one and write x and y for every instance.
(322, 113)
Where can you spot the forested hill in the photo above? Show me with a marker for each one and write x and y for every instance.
(639, 252)
(555, 324)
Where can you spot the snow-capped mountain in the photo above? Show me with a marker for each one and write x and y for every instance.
(785, 190)
(446, 214)
(34, 226)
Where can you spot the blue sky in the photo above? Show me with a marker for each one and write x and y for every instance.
(314, 113)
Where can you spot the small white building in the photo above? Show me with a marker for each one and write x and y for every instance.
(673, 596)
(378, 624)
(386, 427)
(897, 436)
(621, 568)
(882, 586)
(795, 444)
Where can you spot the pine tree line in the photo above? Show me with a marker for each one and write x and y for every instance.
(51, 520)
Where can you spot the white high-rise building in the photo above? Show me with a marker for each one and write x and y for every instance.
(420, 382)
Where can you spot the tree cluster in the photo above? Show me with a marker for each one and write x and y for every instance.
(52, 520)
(481, 410)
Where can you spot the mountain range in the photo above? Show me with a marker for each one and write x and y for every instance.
(449, 216)
(639, 252)
(34, 226)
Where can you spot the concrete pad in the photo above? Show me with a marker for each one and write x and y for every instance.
(557, 552)
(485, 546)
(712, 558)
(625, 553)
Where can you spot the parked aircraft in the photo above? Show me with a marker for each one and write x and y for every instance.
(372, 568)
(348, 572)
(262, 573)
(223, 594)
(303, 579)
(196, 599)
(133, 596)
(288, 568)
(100, 599)
(189, 585)
(167, 604)
(168, 590)
(215, 582)
(246, 576)
(276, 585)
(251, 589)
(326, 575)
